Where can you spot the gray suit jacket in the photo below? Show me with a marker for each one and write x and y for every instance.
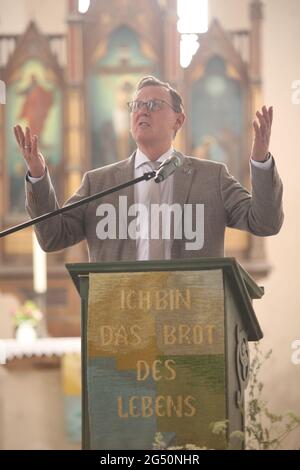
(226, 203)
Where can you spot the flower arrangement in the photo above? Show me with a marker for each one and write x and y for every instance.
(27, 313)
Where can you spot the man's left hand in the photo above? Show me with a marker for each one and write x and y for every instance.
(262, 134)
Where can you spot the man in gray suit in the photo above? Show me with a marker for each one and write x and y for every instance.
(214, 197)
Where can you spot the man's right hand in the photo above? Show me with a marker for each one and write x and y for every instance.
(29, 148)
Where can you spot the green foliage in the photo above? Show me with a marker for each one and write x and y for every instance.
(264, 430)
(236, 438)
(218, 428)
(159, 444)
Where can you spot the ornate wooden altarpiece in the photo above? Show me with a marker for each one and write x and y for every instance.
(83, 122)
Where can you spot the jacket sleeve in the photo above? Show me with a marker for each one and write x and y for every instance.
(62, 230)
(261, 212)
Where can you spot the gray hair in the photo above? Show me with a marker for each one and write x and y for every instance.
(175, 96)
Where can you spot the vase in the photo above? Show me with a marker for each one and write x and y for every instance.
(26, 332)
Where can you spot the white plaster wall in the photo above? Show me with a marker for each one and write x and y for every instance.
(49, 14)
(233, 14)
(31, 409)
(279, 310)
(279, 313)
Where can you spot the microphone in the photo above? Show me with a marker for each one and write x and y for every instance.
(168, 167)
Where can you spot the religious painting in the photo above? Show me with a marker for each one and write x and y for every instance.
(119, 66)
(217, 116)
(33, 100)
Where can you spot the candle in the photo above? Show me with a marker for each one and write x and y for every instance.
(39, 267)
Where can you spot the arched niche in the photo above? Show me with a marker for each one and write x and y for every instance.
(119, 62)
(218, 96)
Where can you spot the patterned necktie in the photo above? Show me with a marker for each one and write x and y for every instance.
(156, 245)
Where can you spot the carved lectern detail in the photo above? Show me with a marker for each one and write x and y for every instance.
(164, 351)
(242, 364)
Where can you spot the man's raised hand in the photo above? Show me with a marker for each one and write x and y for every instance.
(29, 148)
(262, 134)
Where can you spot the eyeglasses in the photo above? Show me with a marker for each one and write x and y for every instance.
(151, 105)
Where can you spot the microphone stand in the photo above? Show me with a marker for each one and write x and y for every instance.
(146, 176)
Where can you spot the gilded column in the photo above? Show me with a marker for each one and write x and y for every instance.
(173, 72)
(257, 245)
(256, 17)
(75, 110)
(75, 131)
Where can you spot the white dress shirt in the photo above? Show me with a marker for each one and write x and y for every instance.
(141, 196)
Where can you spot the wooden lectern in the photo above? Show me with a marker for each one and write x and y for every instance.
(164, 351)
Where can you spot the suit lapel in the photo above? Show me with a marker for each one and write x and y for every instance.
(125, 173)
(182, 183)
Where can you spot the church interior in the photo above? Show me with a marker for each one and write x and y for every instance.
(67, 70)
